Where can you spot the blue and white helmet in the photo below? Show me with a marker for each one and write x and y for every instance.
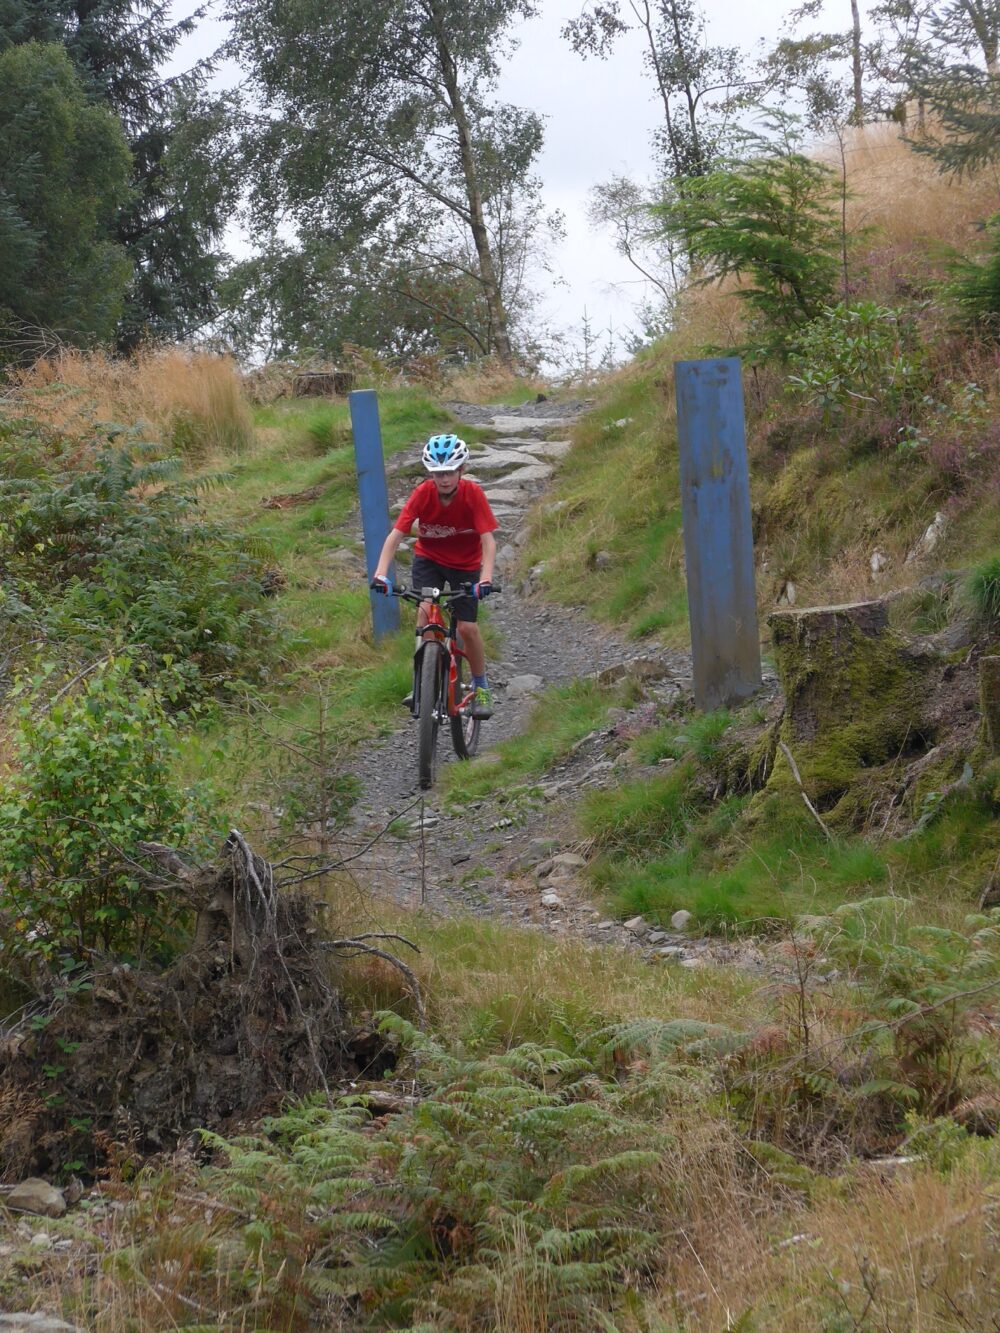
(444, 453)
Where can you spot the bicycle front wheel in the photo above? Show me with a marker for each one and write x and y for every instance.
(464, 727)
(431, 673)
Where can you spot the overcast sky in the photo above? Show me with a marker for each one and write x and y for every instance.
(598, 119)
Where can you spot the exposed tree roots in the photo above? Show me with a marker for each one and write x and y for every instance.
(247, 1017)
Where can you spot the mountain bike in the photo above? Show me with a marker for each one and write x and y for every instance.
(442, 680)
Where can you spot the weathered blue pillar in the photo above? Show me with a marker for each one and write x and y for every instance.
(718, 534)
(374, 497)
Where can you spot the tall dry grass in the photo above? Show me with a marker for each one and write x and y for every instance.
(901, 215)
(192, 401)
(488, 381)
(901, 194)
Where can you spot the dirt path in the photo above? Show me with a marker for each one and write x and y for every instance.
(495, 857)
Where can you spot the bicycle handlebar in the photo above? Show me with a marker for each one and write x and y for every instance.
(438, 594)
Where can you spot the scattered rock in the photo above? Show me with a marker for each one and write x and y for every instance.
(788, 593)
(929, 540)
(640, 669)
(41, 1240)
(522, 686)
(637, 926)
(606, 925)
(551, 900)
(680, 919)
(570, 860)
(879, 562)
(541, 848)
(674, 951)
(601, 560)
(37, 1196)
(544, 868)
(657, 936)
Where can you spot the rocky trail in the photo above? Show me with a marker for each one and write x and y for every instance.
(517, 856)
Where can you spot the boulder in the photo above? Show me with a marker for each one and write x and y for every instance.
(680, 919)
(37, 1196)
(637, 926)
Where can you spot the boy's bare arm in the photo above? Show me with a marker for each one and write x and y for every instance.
(489, 557)
(389, 549)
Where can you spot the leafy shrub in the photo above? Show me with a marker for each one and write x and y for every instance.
(92, 780)
(984, 588)
(854, 359)
(116, 552)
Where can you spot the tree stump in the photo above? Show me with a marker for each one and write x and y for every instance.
(989, 699)
(852, 697)
(323, 384)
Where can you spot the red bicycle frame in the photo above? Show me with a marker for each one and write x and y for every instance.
(436, 626)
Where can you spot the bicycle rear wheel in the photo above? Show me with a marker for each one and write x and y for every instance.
(464, 728)
(431, 672)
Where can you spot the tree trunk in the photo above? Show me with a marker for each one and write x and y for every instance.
(858, 114)
(477, 223)
(989, 695)
(983, 23)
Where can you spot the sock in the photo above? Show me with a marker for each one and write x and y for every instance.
(480, 682)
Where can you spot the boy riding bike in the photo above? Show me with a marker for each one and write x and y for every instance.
(455, 545)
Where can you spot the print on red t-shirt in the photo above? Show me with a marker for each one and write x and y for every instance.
(450, 535)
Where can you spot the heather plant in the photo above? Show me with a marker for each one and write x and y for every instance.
(91, 780)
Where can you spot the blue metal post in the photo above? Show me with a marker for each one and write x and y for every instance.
(374, 496)
(718, 533)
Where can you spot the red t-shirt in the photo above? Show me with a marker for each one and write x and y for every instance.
(451, 534)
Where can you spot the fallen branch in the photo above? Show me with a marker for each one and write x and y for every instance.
(357, 945)
(798, 778)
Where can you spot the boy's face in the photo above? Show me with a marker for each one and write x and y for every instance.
(447, 482)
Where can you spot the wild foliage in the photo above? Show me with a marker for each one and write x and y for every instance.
(91, 779)
(115, 552)
(769, 218)
(521, 1186)
(856, 358)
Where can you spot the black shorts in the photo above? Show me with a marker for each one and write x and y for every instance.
(427, 574)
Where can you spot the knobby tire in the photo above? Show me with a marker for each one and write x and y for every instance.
(431, 669)
(464, 729)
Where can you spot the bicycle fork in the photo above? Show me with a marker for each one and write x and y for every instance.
(433, 646)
